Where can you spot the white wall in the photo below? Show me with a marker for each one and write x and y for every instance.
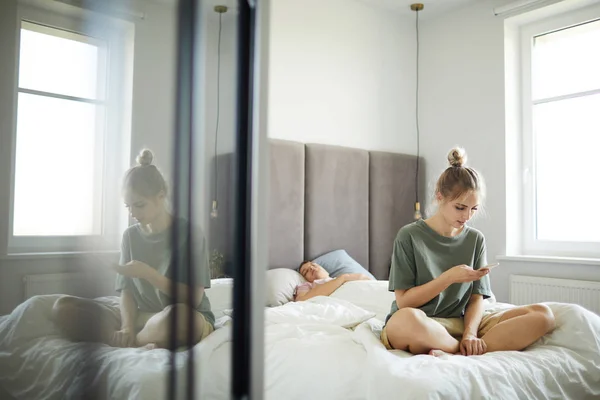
(153, 84)
(228, 79)
(463, 103)
(341, 72)
(152, 126)
(8, 47)
(217, 230)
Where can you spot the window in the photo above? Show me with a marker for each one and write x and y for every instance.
(72, 134)
(561, 135)
(60, 124)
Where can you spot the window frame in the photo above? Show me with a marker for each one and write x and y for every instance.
(530, 244)
(116, 86)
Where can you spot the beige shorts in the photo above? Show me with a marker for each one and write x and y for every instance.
(456, 326)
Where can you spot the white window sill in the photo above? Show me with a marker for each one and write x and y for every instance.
(551, 259)
(64, 254)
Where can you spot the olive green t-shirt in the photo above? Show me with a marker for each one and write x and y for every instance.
(154, 250)
(421, 254)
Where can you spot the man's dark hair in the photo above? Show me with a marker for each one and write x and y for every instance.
(301, 264)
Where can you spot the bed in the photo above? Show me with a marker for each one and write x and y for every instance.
(322, 198)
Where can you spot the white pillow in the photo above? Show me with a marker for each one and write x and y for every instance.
(490, 302)
(373, 296)
(281, 283)
(318, 310)
(220, 295)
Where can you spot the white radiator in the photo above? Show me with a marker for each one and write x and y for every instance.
(73, 283)
(533, 289)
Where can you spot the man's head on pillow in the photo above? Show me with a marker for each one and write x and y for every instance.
(312, 271)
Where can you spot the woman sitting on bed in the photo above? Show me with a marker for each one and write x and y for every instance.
(319, 283)
(439, 282)
(144, 277)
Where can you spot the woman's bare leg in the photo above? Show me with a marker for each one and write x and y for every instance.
(84, 320)
(157, 331)
(520, 327)
(411, 330)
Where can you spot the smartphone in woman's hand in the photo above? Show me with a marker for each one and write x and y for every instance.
(489, 267)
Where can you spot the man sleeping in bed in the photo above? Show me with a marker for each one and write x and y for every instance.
(319, 283)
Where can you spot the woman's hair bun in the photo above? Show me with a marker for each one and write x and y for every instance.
(145, 158)
(457, 157)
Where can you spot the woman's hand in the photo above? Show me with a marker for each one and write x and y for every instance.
(123, 338)
(134, 269)
(471, 345)
(464, 273)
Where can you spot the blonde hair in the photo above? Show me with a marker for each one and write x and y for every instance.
(458, 179)
(145, 179)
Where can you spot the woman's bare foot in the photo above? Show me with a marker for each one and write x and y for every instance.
(440, 354)
(149, 346)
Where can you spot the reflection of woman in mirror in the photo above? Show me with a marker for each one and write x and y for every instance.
(142, 317)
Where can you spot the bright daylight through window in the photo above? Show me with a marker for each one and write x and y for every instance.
(60, 133)
(566, 133)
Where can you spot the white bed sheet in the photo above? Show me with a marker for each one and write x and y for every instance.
(563, 365)
(316, 360)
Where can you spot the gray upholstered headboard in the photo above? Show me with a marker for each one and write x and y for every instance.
(324, 198)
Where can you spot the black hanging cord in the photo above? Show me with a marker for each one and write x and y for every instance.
(417, 115)
(218, 107)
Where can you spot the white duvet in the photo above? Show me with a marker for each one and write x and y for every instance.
(320, 357)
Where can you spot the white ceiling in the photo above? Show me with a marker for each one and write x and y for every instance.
(432, 7)
(402, 7)
(211, 3)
